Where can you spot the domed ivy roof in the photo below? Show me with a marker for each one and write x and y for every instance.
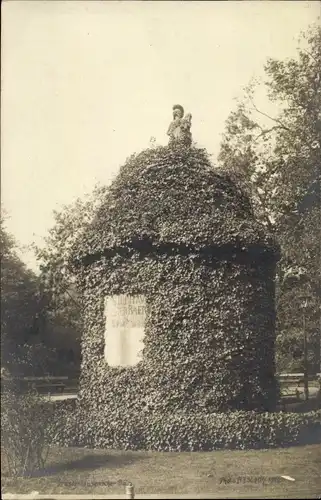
(172, 198)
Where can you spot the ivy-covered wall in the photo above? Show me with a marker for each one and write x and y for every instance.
(175, 230)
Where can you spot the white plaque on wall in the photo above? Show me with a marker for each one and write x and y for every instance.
(124, 329)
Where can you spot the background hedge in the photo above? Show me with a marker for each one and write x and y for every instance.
(175, 231)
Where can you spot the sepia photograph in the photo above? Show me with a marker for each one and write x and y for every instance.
(160, 249)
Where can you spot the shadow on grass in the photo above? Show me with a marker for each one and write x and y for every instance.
(89, 462)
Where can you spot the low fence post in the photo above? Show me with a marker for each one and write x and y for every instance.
(130, 491)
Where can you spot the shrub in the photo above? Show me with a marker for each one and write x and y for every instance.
(26, 430)
(65, 422)
(31, 360)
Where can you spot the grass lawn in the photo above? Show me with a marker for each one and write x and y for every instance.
(225, 474)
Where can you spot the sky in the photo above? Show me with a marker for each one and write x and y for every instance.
(85, 84)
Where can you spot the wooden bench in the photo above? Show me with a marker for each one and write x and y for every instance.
(58, 386)
(297, 378)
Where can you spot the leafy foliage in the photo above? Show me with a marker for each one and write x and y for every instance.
(26, 429)
(277, 160)
(34, 359)
(24, 319)
(20, 300)
(64, 320)
(175, 231)
(181, 431)
(171, 197)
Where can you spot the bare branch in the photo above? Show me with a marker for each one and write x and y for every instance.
(276, 120)
(266, 131)
(309, 54)
(264, 212)
(280, 124)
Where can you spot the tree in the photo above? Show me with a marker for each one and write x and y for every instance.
(277, 160)
(20, 304)
(63, 305)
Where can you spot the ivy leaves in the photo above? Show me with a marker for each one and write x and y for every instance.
(165, 196)
(174, 230)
